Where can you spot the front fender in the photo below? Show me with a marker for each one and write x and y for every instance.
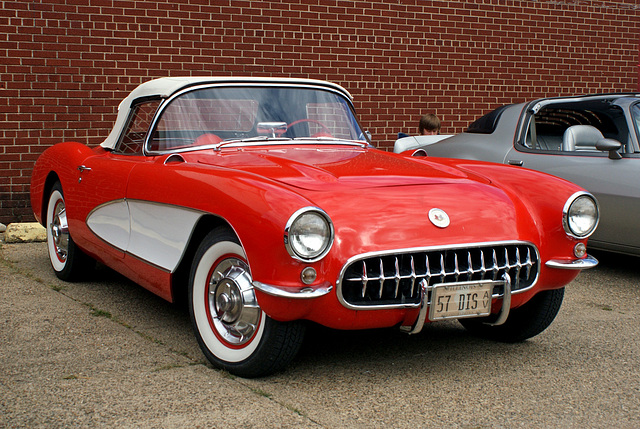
(257, 209)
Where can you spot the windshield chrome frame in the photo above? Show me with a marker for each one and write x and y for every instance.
(236, 142)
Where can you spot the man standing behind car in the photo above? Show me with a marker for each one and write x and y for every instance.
(429, 125)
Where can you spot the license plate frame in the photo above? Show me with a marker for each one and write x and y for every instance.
(461, 300)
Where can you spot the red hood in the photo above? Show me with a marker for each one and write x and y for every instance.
(393, 212)
(326, 168)
(379, 200)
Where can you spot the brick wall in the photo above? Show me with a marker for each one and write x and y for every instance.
(66, 64)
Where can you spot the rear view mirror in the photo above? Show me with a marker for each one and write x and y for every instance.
(272, 128)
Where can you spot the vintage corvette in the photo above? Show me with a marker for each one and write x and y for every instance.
(262, 202)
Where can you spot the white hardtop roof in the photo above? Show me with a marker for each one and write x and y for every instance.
(166, 86)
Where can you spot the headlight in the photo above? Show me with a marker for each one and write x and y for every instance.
(308, 235)
(580, 215)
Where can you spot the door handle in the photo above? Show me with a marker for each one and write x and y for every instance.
(517, 162)
(81, 169)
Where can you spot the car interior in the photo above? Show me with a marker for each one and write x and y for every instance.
(576, 126)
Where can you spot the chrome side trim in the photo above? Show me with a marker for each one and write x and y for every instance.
(304, 293)
(574, 264)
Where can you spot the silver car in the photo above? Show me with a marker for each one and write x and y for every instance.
(592, 141)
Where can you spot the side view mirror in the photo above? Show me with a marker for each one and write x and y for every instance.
(610, 145)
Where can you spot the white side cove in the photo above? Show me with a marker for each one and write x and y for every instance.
(156, 233)
(111, 223)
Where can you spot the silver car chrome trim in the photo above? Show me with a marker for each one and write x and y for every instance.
(506, 302)
(422, 315)
(306, 292)
(574, 264)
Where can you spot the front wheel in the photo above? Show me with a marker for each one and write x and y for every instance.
(523, 322)
(68, 261)
(231, 328)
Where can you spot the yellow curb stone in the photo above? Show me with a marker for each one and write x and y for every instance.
(25, 233)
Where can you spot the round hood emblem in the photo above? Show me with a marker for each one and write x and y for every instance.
(439, 218)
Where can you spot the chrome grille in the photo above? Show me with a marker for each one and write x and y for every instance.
(393, 279)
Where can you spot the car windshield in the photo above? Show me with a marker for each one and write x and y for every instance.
(215, 115)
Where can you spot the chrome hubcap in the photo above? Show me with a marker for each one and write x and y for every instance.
(60, 231)
(233, 306)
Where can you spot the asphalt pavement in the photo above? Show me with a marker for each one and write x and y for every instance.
(107, 353)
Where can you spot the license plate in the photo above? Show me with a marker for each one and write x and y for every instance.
(468, 299)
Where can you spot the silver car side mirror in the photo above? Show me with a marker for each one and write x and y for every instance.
(610, 145)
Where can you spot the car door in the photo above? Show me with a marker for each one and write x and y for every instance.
(102, 186)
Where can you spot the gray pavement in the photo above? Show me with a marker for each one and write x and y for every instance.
(108, 353)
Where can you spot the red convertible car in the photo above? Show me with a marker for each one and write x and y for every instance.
(263, 203)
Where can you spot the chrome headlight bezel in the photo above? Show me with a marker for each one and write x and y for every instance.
(572, 209)
(292, 232)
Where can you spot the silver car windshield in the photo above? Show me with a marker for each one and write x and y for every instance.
(213, 116)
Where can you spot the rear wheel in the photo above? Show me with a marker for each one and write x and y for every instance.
(68, 261)
(523, 322)
(231, 328)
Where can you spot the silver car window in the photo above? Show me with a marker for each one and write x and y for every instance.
(553, 124)
(635, 113)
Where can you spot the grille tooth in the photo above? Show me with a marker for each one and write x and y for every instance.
(365, 280)
(397, 277)
(483, 267)
(428, 274)
(381, 278)
(413, 276)
(518, 267)
(456, 270)
(495, 268)
(364, 283)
